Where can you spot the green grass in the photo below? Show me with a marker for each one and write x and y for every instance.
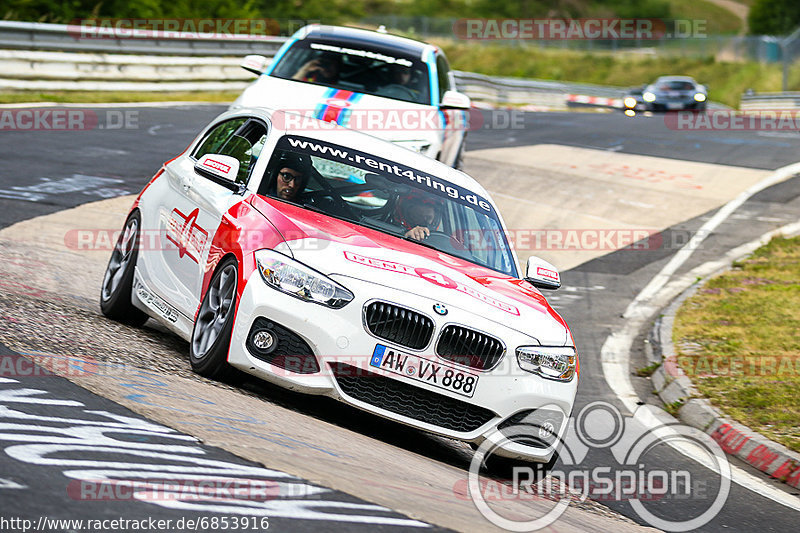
(719, 20)
(674, 407)
(647, 371)
(737, 339)
(85, 97)
(726, 80)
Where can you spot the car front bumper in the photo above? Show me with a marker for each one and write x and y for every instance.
(339, 339)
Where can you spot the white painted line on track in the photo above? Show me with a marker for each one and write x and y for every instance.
(719, 217)
(615, 353)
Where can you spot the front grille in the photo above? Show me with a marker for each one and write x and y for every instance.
(538, 428)
(408, 400)
(288, 350)
(469, 347)
(399, 325)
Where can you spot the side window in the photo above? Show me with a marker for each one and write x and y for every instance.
(217, 138)
(240, 138)
(443, 72)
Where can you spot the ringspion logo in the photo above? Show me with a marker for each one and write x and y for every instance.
(629, 470)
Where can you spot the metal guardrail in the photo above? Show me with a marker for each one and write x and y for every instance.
(40, 56)
(764, 101)
(519, 91)
(63, 37)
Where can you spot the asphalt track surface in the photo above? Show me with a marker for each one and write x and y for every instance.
(93, 164)
(66, 448)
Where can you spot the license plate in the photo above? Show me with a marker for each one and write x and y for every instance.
(675, 105)
(424, 370)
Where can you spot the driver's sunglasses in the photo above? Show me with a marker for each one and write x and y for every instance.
(287, 177)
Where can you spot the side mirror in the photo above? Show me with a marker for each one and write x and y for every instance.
(218, 167)
(255, 64)
(542, 274)
(455, 100)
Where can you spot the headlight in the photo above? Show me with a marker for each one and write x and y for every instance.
(649, 97)
(700, 97)
(298, 280)
(550, 362)
(629, 101)
(416, 146)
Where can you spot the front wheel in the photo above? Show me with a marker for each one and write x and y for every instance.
(115, 295)
(211, 336)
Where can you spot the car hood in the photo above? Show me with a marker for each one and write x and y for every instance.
(386, 118)
(341, 249)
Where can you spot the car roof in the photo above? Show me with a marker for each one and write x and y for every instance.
(364, 38)
(364, 142)
(676, 78)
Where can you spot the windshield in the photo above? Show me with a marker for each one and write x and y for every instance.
(388, 197)
(379, 72)
(676, 86)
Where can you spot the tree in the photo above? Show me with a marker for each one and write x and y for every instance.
(774, 17)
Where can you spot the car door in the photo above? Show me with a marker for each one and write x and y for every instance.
(192, 211)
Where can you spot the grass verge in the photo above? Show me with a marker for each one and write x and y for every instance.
(737, 339)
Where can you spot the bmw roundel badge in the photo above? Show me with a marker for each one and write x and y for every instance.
(440, 309)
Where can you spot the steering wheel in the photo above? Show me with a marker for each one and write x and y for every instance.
(396, 90)
(316, 199)
(439, 239)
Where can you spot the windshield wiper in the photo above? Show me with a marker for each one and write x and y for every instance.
(423, 243)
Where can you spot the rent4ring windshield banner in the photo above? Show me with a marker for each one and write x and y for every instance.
(392, 170)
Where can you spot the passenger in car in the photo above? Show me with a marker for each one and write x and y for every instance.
(323, 69)
(400, 83)
(418, 215)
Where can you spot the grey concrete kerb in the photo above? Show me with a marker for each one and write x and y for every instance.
(676, 389)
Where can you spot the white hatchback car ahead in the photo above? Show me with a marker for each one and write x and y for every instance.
(395, 88)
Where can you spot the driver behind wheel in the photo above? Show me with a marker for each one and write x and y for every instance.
(290, 176)
(418, 214)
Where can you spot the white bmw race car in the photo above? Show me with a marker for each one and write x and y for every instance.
(394, 88)
(331, 262)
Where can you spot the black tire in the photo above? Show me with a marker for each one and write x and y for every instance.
(211, 335)
(115, 293)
